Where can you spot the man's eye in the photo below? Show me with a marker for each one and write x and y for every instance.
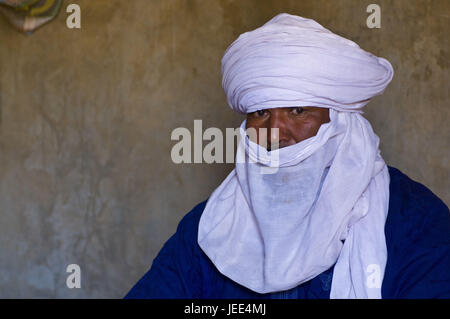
(260, 112)
(297, 110)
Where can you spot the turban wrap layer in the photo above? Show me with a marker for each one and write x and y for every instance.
(294, 61)
(327, 201)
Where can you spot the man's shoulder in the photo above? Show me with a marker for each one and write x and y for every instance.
(404, 192)
(188, 226)
(417, 238)
(415, 212)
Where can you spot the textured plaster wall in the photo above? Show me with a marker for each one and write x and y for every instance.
(86, 116)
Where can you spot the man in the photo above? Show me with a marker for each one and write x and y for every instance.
(332, 220)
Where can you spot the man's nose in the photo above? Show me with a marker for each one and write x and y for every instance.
(277, 132)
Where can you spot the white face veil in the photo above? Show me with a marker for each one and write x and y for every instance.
(327, 202)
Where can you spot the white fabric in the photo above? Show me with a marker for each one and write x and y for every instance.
(272, 232)
(314, 67)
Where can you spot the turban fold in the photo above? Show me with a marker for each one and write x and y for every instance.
(294, 61)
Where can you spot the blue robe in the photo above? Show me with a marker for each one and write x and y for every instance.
(418, 264)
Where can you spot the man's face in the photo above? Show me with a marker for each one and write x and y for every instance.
(294, 124)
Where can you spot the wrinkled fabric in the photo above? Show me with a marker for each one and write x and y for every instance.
(417, 235)
(294, 61)
(272, 232)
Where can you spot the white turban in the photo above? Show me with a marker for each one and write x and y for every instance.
(294, 61)
(327, 202)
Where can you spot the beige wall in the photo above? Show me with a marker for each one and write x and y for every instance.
(86, 116)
